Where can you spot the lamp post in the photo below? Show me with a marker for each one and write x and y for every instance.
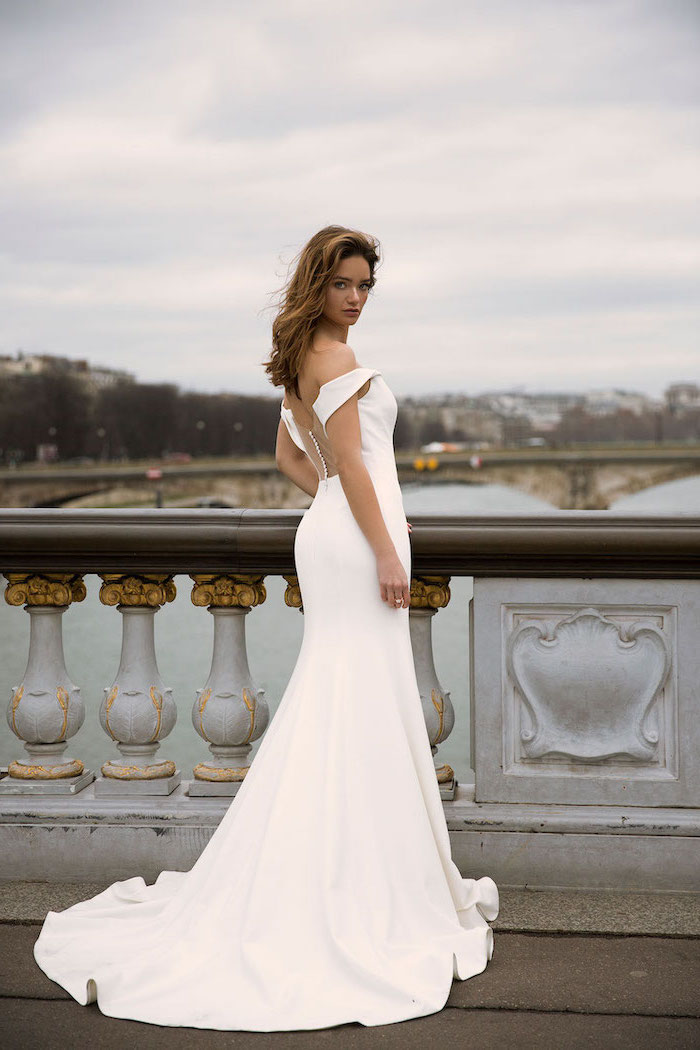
(201, 427)
(101, 434)
(156, 474)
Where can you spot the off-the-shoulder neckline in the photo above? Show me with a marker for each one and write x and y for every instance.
(360, 368)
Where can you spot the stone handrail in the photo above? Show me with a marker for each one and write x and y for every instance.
(565, 543)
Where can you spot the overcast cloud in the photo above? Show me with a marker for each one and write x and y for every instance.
(531, 168)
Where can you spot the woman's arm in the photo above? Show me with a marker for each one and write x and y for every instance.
(294, 463)
(344, 434)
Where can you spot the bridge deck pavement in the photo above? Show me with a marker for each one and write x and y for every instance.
(540, 990)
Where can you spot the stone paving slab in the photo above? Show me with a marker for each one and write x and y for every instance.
(637, 975)
(20, 976)
(64, 1025)
(654, 914)
(579, 974)
(31, 901)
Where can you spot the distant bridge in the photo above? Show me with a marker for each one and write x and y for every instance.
(574, 480)
(577, 480)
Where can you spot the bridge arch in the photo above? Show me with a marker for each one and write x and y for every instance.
(680, 491)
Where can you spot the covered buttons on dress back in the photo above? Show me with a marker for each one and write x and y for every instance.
(331, 396)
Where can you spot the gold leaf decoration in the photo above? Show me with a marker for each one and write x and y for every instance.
(292, 594)
(20, 771)
(110, 700)
(56, 589)
(144, 591)
(157, 771)
(439, 705)
(228, 590)
(430, 592)
(219, 775)
(157, 700)
(444, 774)
(63, 700)
(15, 704)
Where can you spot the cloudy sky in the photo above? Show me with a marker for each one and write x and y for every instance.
(531, 168)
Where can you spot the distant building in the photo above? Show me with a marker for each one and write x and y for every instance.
(680, 397)
(465, 416)
(608, 402)
(29, 364)
(37, 364)
(543, 411)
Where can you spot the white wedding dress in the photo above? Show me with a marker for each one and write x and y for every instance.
(327, 894)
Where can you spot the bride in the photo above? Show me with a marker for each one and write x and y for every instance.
(328, 893)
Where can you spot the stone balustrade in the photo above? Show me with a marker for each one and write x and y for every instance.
(582, 642)
(138, 710)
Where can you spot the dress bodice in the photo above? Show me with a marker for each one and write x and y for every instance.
(377, 408)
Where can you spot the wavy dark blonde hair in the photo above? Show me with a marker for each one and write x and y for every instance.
(303, 297)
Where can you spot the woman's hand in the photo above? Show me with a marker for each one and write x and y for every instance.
(393, 582)
(409, 526)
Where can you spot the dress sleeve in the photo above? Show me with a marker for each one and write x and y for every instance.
(336, 392)
(286, 414)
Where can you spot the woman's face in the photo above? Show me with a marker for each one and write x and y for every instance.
(347, 292)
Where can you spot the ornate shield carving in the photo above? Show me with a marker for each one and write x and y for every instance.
(588, 687)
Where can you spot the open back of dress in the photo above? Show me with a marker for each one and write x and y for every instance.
(314, 440)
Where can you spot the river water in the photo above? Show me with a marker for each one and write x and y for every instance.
(184, 633)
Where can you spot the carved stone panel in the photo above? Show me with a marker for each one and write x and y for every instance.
(586, 691)
(589, 687)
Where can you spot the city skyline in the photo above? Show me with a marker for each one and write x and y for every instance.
(531, 171)
(10, 364)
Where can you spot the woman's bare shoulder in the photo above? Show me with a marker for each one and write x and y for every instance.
(333, 360)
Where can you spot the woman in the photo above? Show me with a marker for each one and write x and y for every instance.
(327, 893)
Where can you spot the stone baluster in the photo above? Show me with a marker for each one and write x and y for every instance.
(428, 594)
(138, 709)
(230, 710)
(46, 708)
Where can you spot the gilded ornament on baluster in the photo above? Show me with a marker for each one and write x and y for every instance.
(157, 771)
(292, 593)
(202, 703)
(430, 592)
(439, 705)
(249, 702)
(222, 775)
(444, 774)
(63, 700)
(61, 771)
(145, 591)
(110, 700)
(157, 699)
(15, 704)
(56, 589)
(228, 590)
